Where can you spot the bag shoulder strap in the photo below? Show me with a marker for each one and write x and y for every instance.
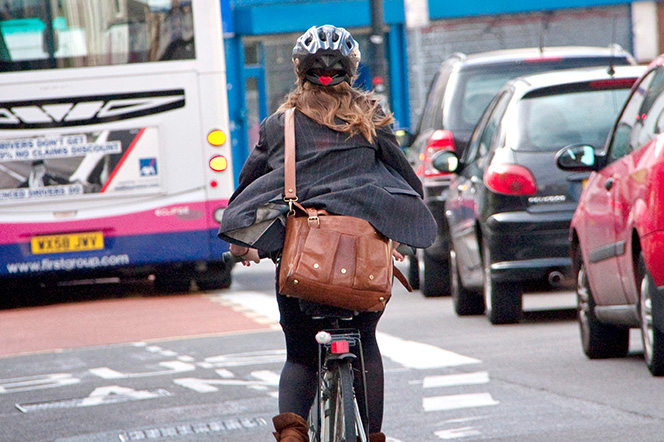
(402, 279)
(290, 191)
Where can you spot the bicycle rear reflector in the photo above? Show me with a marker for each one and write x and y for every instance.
(339, 347)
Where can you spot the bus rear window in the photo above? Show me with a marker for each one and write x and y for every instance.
(52, 34)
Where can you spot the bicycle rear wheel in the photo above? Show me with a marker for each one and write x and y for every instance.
(338, 404)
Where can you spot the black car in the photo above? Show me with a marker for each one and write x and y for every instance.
(460, 91)
(509, 207)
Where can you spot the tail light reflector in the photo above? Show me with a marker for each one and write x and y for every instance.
(510, 179)
(439, 140)
(339, 347)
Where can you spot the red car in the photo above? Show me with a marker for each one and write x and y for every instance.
(617, 232)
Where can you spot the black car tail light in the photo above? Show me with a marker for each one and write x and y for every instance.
(439, 140)
(510, 179)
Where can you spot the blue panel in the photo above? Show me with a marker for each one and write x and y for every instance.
(439, 9)
(236, 98)
(261, 17)
(398, 61)
(140, 249)
(226, 17)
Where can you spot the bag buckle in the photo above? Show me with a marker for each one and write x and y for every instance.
(314, 218)
(291, 210)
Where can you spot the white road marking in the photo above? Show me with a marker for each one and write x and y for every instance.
(112, 394)
(410, 354)
(259, 306)
(249, 358)
(451, 380)
(456, 401)
(208, 385)
(30, 383)
(457, 433)
(419, 355)
(172, 366)
(266, 376)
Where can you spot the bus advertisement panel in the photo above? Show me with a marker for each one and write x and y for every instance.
(114, 155)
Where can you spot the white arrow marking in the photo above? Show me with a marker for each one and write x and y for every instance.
(115, 394)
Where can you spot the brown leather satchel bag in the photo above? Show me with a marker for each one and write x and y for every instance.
(335, 260)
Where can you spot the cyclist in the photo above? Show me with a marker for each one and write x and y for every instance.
(348, 163)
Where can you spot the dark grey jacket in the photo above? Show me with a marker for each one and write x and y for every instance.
(345, 176)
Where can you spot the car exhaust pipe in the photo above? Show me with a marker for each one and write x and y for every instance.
(556, 278)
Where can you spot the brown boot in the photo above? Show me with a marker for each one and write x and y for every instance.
(290, 428)
(376, 437)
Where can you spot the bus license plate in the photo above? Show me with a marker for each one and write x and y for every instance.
(71, 242)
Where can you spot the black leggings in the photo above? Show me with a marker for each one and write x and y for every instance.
(297, 385)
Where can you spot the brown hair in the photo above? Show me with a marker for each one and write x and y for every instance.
(360, 111)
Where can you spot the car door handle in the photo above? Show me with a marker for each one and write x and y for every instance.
(608, 184)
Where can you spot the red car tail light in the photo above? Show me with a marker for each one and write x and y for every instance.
(439, 140)
(614, 83)
(546, 59)
(510, 179)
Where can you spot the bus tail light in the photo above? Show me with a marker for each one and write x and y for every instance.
(510, 179)
(216, 138)
(439, 140)
(218, 163)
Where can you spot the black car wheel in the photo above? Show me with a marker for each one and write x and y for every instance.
(503, 299)
(653, 338)
(436, 280)
(599, 340)
(466, 302)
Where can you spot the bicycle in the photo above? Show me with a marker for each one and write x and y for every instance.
(335, 415)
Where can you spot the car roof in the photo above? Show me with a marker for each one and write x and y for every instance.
(578, 75)
(512, 55)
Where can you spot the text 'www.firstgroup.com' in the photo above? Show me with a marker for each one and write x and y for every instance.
(47, 264)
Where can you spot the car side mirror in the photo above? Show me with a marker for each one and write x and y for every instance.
(446, 161)
(577, 157)
(404, 138)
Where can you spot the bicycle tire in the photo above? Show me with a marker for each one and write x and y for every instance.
(344, 419)
(326, 407)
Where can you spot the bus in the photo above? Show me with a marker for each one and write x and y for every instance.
(115, 157)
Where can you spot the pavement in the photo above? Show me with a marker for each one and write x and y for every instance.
(114, 321)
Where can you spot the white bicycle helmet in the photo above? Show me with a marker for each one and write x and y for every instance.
(326, 55)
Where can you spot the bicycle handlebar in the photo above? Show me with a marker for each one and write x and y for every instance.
(229, 258)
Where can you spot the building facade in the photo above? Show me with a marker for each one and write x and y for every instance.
(419, 35)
